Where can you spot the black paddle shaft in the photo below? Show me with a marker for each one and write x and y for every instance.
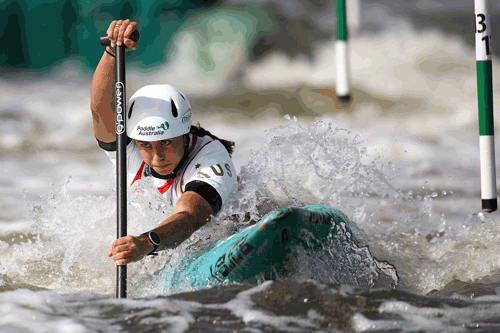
(121, 158)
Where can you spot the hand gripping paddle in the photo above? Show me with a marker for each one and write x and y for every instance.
(121, 158)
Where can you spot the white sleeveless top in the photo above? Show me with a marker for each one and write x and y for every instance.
(208, 161)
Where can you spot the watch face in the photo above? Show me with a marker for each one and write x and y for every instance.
(155, 239)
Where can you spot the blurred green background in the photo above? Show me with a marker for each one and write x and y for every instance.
(37, 35)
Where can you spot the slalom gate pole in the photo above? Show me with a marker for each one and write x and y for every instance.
(342, 85)
(121, 158)
(485, 106)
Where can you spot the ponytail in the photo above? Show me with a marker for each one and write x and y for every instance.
(200, 131)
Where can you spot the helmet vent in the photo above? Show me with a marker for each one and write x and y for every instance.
(175, 113)
(130, 110)
(183, 97)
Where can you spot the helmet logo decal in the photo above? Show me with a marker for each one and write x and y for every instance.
(186, 118)
(164, 126)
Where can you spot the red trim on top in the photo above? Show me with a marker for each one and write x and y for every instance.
(165, 187)
(139, 173)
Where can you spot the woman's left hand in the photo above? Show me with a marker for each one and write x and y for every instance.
(129, 249)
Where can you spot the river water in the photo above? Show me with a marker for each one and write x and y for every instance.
(402, 162)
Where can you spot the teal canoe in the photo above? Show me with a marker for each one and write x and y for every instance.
(265, 250)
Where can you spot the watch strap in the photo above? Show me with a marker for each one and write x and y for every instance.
(155, 245)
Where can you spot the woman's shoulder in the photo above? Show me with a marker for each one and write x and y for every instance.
(206, 152)
(205, 145)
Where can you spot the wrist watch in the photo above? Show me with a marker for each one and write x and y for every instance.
(155, 239)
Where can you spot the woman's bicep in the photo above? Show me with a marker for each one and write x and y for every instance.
(104, 127)
(193, 204)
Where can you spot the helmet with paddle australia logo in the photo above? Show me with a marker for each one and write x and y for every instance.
(158, 112)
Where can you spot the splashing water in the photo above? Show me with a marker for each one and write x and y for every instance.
(72, 238)
(298, 165)
(342, 261)
(316, 164)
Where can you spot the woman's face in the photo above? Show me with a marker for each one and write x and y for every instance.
(163, 156)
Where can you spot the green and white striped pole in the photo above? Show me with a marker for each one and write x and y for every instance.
(485, 107)
(343, 91)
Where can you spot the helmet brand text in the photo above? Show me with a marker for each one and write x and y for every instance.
(149, 130)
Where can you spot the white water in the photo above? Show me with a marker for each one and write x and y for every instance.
(408, 175)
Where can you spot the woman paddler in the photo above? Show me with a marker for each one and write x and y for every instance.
(191, 167)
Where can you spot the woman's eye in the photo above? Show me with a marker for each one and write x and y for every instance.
(146, 145)
(165, 142)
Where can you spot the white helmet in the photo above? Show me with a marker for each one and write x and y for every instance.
(158, 112)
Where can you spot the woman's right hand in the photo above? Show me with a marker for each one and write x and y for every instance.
(119, 33)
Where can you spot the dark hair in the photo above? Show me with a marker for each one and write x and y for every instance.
(200, 131)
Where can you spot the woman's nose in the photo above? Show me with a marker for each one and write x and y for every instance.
(158, 154)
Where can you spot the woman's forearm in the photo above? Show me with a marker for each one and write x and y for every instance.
(177, 228)
(102, 97)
